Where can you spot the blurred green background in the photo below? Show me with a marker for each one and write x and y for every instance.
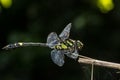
(95, 22)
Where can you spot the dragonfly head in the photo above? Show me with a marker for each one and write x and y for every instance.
(79, 44)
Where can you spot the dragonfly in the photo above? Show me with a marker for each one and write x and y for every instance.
(61, 45)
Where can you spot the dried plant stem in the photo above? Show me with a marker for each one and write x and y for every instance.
(91, 61)
(92, 71)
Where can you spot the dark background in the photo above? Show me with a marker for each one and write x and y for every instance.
(95, 24)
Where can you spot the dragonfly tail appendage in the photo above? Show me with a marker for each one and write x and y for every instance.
(12, 46)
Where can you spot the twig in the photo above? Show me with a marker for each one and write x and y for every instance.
(92, 71)
(99, 62)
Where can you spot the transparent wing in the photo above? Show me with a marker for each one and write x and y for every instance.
(65, 33)
(57, 57)
(52, 39)
(72, 54)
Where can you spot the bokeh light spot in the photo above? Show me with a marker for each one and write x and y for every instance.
(105, 5)
(6, 3)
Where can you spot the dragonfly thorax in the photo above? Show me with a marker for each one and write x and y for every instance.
(68, 44)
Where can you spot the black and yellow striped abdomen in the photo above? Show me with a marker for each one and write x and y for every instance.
(66, 45)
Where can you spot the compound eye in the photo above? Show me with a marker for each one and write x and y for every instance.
(79, 44)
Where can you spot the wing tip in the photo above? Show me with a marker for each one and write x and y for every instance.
(69, 24)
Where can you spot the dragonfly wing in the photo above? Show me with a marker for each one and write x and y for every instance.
(57, 57)
(65, 33)
(73, 55)
(52, 39)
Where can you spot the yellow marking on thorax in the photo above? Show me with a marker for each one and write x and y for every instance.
(58, 47)
(69, 43)
(72, 40)
(20, 43)
(63, 46)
